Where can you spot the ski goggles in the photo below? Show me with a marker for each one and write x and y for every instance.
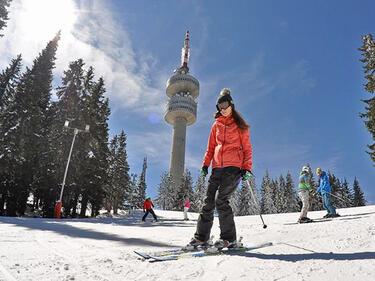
(224, 105)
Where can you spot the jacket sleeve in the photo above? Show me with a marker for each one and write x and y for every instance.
(210, 147)
(144, 205)
(247, 150)
(324, 183)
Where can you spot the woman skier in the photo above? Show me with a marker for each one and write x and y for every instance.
(230, 151)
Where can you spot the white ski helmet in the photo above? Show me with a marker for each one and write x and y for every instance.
(305, 169)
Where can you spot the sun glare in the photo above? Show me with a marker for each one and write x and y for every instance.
(44, 18)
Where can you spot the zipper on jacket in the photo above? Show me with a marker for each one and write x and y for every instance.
(222, 150)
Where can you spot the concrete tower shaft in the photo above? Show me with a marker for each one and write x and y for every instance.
(181, 110)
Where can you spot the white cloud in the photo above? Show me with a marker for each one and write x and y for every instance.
(88, 31)
(154, 145)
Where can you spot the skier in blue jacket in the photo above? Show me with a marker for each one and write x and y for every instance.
(325, 190)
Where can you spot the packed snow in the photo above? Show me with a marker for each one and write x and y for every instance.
(102, 248)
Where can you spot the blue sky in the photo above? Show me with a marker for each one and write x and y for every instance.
(293, 68)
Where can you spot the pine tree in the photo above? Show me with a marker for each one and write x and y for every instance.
(4, 5)
(346, 194)
(283, 196)
(118, 188)
(235, 200)
(254, 204)
(197, 202)
(9, 79)
(368, 54)
(141, 186)
(163, 198)
(244, 200)
(96, 114)
(292, 205)
(267, 203)
(70, 107)
(185, 189)
(25, 129)
(133, 190)
(81, 102)
(358, 197)
(335, 189)
(276, 195)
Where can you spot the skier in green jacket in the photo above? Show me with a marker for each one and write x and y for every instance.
(304, 193)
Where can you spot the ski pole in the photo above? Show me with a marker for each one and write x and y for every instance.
(341, 199)
(256, 203)
(351, 204)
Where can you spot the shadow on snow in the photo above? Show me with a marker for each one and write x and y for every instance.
(60, 226)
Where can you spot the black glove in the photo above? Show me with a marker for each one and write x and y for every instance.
(204, 171)
(245, 174)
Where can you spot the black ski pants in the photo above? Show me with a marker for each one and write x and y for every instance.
(152, 213)
(223, 181)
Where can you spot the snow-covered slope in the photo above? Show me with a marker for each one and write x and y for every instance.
(102, 248)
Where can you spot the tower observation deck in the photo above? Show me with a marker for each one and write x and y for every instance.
(181, 110)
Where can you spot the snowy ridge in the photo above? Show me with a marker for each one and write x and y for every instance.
(102, 248)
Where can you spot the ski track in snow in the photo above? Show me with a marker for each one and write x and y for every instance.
(102, 248)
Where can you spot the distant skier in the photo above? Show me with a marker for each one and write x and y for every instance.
(186, 208)
(148, 207)
(230, 151)
(304, 193)
(325, 190)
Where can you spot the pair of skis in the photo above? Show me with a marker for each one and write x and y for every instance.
(177, 254)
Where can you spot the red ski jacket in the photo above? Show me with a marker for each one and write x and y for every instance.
(228, 146)
(148, 205)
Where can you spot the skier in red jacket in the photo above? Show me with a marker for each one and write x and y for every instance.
(148, 207)
(230, 152)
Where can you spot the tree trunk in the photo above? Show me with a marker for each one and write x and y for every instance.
(84, 202)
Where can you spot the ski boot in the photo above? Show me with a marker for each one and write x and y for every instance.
(195, 244)
(304, 220)
(334, 215)
(221, 243)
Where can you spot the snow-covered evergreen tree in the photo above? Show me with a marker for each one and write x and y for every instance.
(163, 197)
(358, 196)
(185, 189)
(199, 196)
(368, 53)
(8, 82)
(267, 203)
(25, 129)
(346, 195)
(4, 5)
(133, 190)
(118, 188)
(245, 201)
(96, 114)
(283, 199)
(69, 107)
(276, 195)
(235, 201)
(254, 204)
(141, 187)
(335, 189)
(292, 205)
(9, 79)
